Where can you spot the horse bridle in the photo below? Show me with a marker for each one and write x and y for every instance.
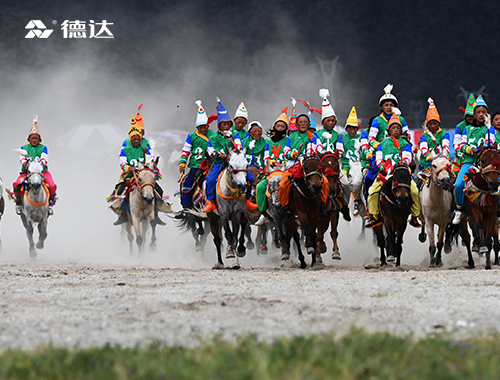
(447, 167)
(490, 168)
(138, 181)
(397, 184)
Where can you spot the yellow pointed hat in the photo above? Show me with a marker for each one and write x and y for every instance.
(283, 117)
(432, 112)
(34, 128)
(395, 118)
(134, 129)
(139, 121)
(352, 120)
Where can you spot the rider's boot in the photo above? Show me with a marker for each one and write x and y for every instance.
(250, 205)
(210, 206)
(414, 222)
(19, 206)
(50, 211)
(357, 207)
(345, 213)
(458, 216)
(374, 221)
(263, 219)
(121, 219)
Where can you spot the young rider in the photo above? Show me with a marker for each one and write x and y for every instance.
(459, 129)
(240, 121)
(473, 137)
(391, 151)
(35, 151)
(218, 146)
(194, 156)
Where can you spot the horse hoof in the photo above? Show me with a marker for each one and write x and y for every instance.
(322, 247)
(250, 245)
(474, 249)
(241, 253)
(336, 256)
(277, 244)
(218, 266)
(471, 265)
(483, 249)
(303, 265)
(230, 254)
(310, 250)
(33, 253)
(39, 245)
(263, 250)
(488, 267)
(319, 260)
(318, 265)
(200, 231)
(236, 266)
(285, 256)
(422, 237)
(152, 246)
(447, 248)
(391, 258)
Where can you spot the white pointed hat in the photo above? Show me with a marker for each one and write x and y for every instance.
(241, 111)
(326, 109)
(201, 115)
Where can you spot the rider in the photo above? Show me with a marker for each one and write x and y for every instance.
(35, 151)
(240, 121)
(473, 137)
(378, 128)
(255, 146)
(218, 145)
(299, 145)
(194, 154)
(459, 129)
(391, 151)
(331, 142)
(274, 155)
(352, 148)
(434, 140)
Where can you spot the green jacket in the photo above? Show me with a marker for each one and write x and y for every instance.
(256, 155)
(219, 144)
(40, 151)
(241, 134)
(351, 152)
(194, 150)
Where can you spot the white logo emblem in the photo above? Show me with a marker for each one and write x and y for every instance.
(38, 29)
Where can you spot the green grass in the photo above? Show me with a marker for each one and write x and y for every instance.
(358, 355)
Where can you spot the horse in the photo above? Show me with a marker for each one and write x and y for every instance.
(395, 204)
(436, 198)
(231, 206)
(35, 206)
(481, 202)
(331, 170)
(141, 204)
(356, 182)
(305, 199)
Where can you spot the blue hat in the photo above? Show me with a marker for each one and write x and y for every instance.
(311, 119)
(480, 102)
(222, 114)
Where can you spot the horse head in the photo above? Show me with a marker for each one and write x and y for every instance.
(356, 178)
(331, 169)
(35, 177)
(489, 164)
(146, 181)
(273, 184)
(442, 174)
(312, 175)
(401, 184)
(237, 169)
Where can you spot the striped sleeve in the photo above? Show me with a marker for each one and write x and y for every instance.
(424, 148)
(379, 158)
(266, 152)
(407, 155)
(339, 146)
(123, 158)
(446, 144)
(210, 149)
(186, 150)
(457, 140)
(372, 137)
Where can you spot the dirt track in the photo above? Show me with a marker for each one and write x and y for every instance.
(93, 305)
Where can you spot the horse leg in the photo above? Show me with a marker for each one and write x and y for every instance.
(432, 244)
(488, 252)
(422, 236)
(248, 234)
(243, 223)
(398, 247)
(391, 239)
(466, 239)
(496, 246)
(152, 245)
(379, 233)
(296, 238)
(322, 228)
(481, 235)
(440, 244)
(29, 234)
(262, 232)
(130, 237)
(216, 232)
(42, 234)
(334, 233)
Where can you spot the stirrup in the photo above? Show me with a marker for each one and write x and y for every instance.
(19, 209)
(50, 210)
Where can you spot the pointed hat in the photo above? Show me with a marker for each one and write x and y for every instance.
(292, 127)
(480, 102)
(139, 121)
(134, 129)
(352, 120)
(283, 117)
(201, 115)
(34, 128)
(471, 103)
(241, 111)
(222, 114)
(326, 109)
(432, 112)
(395, 118)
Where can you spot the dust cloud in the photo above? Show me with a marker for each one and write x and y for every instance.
(171, 64)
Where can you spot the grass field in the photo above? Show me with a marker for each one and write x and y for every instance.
(358, 355)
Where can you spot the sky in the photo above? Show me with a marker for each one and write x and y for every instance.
(168, 54)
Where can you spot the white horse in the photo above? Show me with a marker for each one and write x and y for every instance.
(141, 205)
(231, 189)
(435, 202)
(35, 206)
(356, 182)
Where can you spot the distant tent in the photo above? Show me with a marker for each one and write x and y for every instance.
(94, 140)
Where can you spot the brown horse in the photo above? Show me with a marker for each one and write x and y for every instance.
(331, 170)
(481, 202)
(395, 204)
(305, 199)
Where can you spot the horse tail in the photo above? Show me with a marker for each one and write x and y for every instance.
(187, 223)
(452, 233)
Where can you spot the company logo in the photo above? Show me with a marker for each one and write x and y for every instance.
(38, 29)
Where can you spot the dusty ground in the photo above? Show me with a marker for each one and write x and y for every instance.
(72, 304)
